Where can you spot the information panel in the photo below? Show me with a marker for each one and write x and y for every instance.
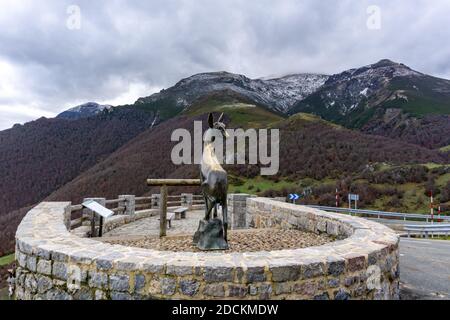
(98, 208)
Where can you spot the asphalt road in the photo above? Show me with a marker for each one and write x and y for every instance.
(424, 264)
(424, 268)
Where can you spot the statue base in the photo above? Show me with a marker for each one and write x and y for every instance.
(209, 235)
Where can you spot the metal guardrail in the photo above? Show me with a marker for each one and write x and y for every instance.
(433, 229)
(401, 215)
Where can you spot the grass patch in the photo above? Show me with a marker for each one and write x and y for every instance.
(443, 180)
(445, 149)
(242, 115)
(245, 116)
(440, 238)
(432, 165)
(5, 260)
(412, 196)
(299, 119)
(383, 166)
(423, 101)
(379, 204)
(260, 184)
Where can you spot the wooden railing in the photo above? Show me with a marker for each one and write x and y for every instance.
(130, 204)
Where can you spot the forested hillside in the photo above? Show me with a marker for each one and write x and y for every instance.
(41, 156)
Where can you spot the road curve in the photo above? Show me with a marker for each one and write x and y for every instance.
(425, 268)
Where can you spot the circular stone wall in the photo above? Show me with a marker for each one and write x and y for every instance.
(55, 264)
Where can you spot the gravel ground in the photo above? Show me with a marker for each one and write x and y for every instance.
(239, 240)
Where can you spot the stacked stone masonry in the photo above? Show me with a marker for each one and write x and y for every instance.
(237, 209)
(361, 264)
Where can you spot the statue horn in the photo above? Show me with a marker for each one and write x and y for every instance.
(220, 118)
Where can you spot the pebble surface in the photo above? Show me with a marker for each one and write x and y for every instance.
(250, 240)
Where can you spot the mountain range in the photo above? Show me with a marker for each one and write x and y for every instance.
(378, 122)
(278, 94)
(385, 98)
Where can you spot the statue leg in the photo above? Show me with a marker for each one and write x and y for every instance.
(208, 208)
(225, 220)
(213, 207)
(205, 198)
(215, 210)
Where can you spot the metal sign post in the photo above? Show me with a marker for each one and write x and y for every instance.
(293, 197)
(431, 207)
(307, 191)
(353, 197)
(337, 198)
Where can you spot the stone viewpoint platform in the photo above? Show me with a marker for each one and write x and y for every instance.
(361, 264)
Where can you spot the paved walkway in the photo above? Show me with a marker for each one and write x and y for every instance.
(150, 226)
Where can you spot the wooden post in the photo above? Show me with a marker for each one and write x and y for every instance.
(93, 233)
(163, 212)
(349, 205)
(100, 227)
(164, 183)
(173, 182)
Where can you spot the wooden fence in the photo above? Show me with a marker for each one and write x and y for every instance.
(130, 205)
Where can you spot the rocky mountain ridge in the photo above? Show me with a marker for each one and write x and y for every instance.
(85, 110)
(277, 94)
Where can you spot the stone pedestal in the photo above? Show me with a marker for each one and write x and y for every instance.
(187, 200)
(68, 217)
(129, 202)
(237, 209)
(209, 235)
(156, 200)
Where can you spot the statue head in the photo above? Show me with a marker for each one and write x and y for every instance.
(216, 129)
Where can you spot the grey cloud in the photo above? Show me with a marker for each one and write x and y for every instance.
(152, 44)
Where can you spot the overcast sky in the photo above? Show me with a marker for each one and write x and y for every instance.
(120, 50)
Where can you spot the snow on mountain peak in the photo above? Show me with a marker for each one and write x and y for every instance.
(84, 110)
(278, 94)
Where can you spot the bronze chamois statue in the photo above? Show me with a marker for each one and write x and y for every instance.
(212, 233)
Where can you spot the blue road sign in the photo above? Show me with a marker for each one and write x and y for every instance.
(293, 196)
(354, 197)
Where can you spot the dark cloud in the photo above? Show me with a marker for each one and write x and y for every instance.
(126, 49)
